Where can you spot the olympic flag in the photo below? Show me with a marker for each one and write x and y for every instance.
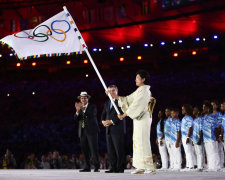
(58, 35)
(54, 37)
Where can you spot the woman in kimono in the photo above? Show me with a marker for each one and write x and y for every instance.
(139, 107)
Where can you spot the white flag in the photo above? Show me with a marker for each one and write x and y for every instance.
(54, 37)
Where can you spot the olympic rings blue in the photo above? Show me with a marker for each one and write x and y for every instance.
(60, 21)
(48, 33)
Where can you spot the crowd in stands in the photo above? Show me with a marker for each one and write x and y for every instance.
(53, 160)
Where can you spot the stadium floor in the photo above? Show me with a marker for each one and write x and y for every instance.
(75, 175)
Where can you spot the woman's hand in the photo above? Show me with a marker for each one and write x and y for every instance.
(121, 116)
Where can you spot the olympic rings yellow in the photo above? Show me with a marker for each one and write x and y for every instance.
(55, 38)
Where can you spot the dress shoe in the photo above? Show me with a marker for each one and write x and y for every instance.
(96, 170)
(120, 171)
(110, 171)
(85, 170)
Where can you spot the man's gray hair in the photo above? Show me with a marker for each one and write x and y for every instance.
(113, 86)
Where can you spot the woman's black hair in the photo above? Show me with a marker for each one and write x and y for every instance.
(144, 74)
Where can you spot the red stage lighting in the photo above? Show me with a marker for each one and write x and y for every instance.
(139, 57)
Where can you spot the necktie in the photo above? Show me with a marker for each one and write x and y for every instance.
(83, 117)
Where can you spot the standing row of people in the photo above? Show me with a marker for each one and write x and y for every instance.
(138, 106)
(200, 132)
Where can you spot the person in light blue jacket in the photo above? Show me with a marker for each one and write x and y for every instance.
(198, 137)
(186, 134)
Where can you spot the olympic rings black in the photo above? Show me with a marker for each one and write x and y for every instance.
(48, 32)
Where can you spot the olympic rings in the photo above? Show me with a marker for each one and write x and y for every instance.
(28, 36)
(60, 21)
(48, 33)
(35, 35)
(55, 38)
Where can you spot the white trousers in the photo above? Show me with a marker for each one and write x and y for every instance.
(194, 156)
(200, 155)
(163, 154)
(221, 154)
(189, 154)
(169, 148)
(213, 161)
(224, 144)
(177, 159)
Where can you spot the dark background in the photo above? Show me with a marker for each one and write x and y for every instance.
(43, 121)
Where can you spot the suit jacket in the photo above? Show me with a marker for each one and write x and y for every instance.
(119, 126)
(91, 122)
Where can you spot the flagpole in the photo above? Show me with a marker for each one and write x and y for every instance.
(72, 22)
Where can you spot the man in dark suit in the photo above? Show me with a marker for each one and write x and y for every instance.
(86, 115)
(115, 132)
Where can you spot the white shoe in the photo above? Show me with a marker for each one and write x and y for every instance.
(189, 169)
(148, 171)
(212, 170)
(176, 169)
(162, 169)
(138, 171)
(183, 170)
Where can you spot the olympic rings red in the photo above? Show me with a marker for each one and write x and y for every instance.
(48, 33)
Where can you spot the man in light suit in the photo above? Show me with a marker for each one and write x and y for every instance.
(86, 116)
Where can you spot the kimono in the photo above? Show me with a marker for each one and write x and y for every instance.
(136, 107)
